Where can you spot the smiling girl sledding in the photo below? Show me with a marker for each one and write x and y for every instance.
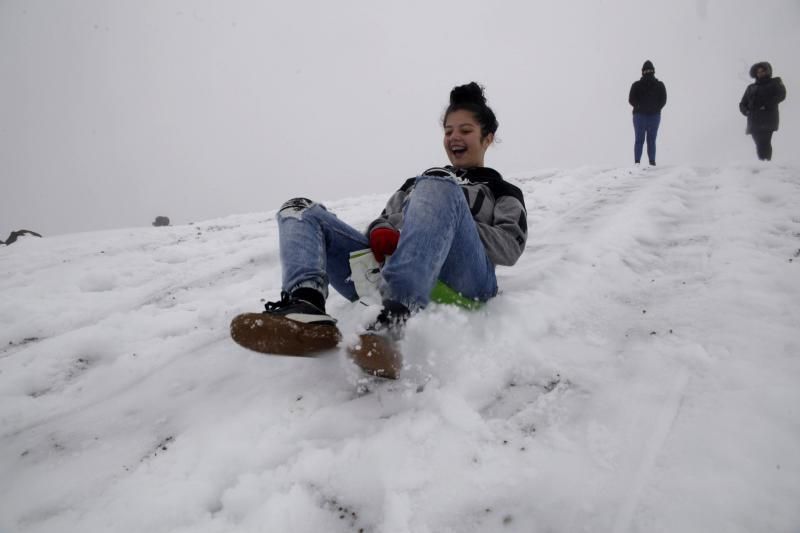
(448, 227)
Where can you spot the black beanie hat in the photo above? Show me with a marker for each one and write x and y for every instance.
(648, 65)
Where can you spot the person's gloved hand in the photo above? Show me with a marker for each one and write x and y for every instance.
(383, 242)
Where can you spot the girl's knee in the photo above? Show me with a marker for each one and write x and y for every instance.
(439, 184)
(438, 179)
(296, 207)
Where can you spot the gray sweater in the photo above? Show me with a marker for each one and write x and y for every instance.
(497, 207)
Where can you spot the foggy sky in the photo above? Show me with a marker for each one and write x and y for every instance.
(113, 112)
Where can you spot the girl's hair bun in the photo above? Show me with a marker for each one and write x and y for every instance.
(471, 93)
(470, 97)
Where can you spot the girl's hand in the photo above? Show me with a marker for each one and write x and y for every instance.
(383, 242)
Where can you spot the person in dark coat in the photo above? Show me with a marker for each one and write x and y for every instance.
(760, 105)
(648, 96)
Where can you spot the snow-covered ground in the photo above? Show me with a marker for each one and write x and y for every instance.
(639, 373)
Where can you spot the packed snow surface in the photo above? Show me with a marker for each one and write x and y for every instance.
(639, 372)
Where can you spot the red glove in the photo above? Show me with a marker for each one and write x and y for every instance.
(383, 242)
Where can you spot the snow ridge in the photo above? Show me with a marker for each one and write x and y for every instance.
(637, 373)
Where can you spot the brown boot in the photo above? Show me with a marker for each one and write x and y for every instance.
(377, 355)
(376, 352)
(279, 335)
(291, 326)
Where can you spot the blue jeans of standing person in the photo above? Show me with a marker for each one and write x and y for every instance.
(646, 128)
(439, 240)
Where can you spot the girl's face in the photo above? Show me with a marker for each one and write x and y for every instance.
(462, 139)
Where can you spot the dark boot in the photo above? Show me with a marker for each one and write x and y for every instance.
(376, 352)
(292, 326)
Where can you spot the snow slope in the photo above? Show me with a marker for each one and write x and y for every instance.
(639, 373)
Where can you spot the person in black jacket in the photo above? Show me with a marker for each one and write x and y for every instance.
(648, 96)
(760, 105)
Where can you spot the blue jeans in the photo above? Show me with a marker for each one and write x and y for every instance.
(439, 240)
(646, 127)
